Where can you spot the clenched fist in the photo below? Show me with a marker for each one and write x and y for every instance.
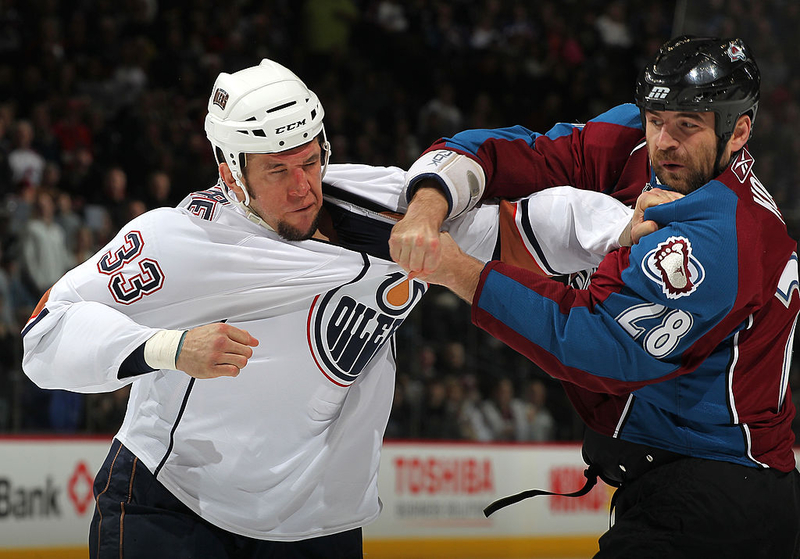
(215, 350)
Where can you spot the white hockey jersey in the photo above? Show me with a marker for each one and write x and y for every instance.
(290, 448)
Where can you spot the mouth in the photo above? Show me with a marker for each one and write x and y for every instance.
(305, 208)
(671, 166)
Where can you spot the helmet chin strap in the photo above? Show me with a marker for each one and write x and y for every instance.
(326, 147)
(244, 205)
(719, 164)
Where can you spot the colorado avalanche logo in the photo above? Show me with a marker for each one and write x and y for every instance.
(735, 51)
(344, 333)
(672, 266)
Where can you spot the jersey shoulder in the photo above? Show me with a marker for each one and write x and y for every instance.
(206, 204)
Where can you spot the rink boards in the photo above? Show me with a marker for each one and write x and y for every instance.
(433, 496)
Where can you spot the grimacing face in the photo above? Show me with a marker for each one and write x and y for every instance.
(286, 189)
(682, 148)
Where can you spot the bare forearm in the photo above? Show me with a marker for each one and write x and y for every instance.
(457, 271)
(428, 203)
(465, 282)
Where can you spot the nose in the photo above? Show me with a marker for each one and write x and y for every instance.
(665, 140)
(300, 183)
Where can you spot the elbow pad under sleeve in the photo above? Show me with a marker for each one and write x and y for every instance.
(461, 179)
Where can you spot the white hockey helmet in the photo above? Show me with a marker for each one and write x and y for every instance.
(262, 109)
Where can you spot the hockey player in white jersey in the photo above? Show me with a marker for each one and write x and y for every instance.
(254, 323)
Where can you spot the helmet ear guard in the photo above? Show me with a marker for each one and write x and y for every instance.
(702, 75)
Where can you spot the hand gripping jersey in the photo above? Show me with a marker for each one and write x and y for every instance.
(289, 449)
(682, 342)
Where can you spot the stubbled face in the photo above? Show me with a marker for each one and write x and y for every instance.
(286, 189)
(682, 148)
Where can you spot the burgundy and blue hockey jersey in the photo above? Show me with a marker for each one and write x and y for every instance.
(683, 341)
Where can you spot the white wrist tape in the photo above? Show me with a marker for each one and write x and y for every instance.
(462, 178)
(161, 350)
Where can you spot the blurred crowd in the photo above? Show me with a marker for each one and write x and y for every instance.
(101, 118)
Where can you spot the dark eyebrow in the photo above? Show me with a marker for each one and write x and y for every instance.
(691, 115)
(684, 114)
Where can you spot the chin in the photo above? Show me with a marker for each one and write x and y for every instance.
(292, 232)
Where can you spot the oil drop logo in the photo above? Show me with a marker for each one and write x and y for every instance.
(348, 325)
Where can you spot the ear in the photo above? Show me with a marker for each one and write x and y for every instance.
(741, 133)
(227, 178)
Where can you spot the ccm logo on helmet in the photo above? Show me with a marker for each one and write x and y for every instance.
(290, 127)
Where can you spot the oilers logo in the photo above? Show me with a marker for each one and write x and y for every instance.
(346, 329)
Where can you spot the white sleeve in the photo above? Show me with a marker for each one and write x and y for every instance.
(382, 185)
(568, 230)
(170, 270)
(79, 346)
(562, 230)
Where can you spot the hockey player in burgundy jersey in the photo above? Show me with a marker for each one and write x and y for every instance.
(677, 354)
(254, 323)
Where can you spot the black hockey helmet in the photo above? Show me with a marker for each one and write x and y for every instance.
(704, 75)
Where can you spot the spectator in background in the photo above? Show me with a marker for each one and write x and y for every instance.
(7, 317)
(85, 245)
(506, 416)
(66, 411)
(438, 418)
(73, 134)
(423, 371)
(45, 256)
(80, 178)
(135, 208)
(45, 141)
(69, 221)
(25, 163)
(404, 417)
(541, 424)
(328, 26)
(613, 27)
(159, 190)
(5, 149)
(468, 423)
(453, 359)
(20, 206)
(115, 196)
(51, 177)
(9, 356)
(391, 17)
(105, 411)
(440, 116)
